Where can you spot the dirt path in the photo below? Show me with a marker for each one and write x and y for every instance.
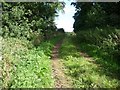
(61, 81)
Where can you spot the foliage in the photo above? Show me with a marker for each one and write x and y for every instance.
(29, 34)
(97, 26)
(87, 72)
(26, 66)
(26, 19)
(107, 40)
(61, 30)
(112, 12)
(96, 14)
(97, 34)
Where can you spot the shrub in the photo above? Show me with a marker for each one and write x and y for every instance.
(107, 39)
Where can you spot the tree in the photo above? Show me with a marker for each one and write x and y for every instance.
(61, 30)
(94, 14)
(24, 19)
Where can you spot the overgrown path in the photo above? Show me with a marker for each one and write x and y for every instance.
(61, 81)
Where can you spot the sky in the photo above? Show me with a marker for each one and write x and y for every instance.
(65, 20)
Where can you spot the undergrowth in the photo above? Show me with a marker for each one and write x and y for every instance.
(103, 45)
(103, 42)
(26, 66)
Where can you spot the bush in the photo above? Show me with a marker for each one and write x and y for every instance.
(107, 39)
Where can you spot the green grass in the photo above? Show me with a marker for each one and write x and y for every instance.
(86, 74)
(26, 66)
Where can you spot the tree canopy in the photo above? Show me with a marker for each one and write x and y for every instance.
(96, 14)
(26, 19)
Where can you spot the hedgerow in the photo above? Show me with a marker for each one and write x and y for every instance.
(27, 30)
(107, 40)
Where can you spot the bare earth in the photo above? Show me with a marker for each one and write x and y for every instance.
(61, 81)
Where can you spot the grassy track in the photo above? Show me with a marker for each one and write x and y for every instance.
(24, 65)
(61, 80)
(84, 72)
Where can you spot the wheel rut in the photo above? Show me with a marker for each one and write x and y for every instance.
(61, 80)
